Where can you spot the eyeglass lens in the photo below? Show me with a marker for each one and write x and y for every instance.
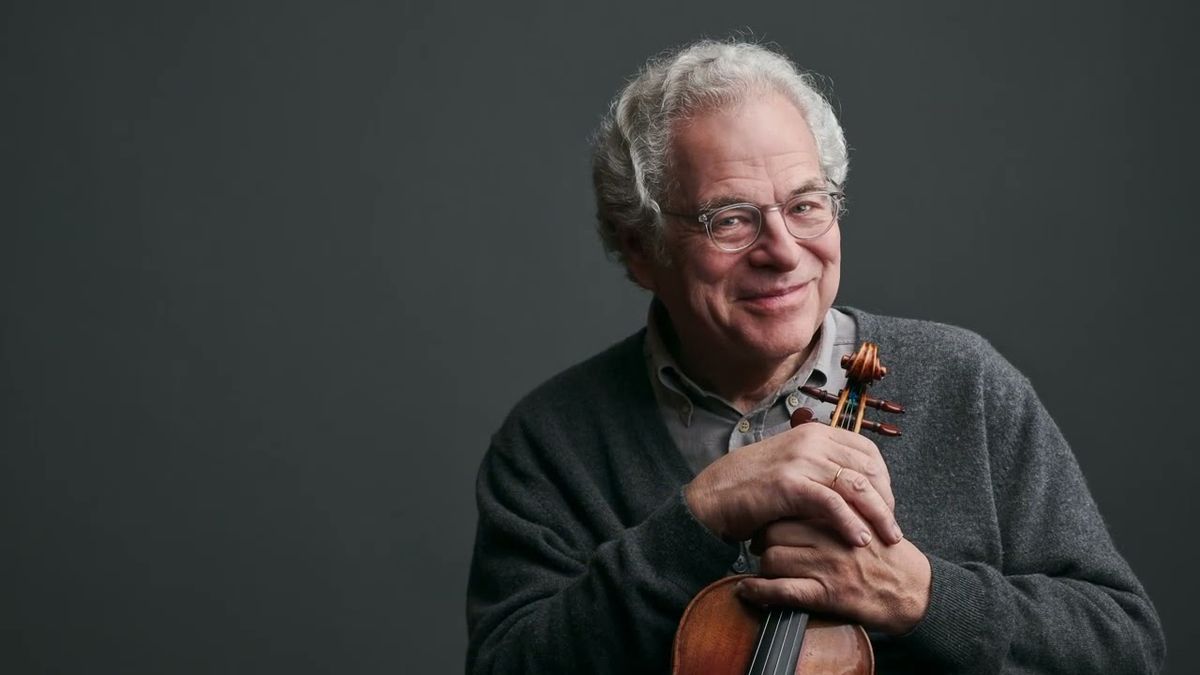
(805, 215)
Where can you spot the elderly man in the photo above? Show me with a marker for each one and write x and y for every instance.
(620, 488)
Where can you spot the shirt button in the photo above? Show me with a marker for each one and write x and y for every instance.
(793, 400)
(740, 566)
(744, 426)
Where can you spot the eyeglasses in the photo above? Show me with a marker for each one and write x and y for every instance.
(807, 215)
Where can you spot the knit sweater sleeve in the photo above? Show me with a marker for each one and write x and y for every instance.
(561, 580)
(1061, 599)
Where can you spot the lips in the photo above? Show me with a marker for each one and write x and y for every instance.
(772, 293)
(779, 300)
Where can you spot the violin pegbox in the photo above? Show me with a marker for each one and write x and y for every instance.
(863, 369)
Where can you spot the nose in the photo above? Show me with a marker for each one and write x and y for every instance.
(776, 247)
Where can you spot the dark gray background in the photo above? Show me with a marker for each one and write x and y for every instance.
(273, 272)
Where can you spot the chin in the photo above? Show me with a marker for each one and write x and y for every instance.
(779, 345)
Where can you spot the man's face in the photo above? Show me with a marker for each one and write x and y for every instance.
(763, 304)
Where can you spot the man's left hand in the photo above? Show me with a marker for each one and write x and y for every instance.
(883, 587)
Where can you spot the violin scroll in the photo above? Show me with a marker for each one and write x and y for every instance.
(862, 369)
(863, 366)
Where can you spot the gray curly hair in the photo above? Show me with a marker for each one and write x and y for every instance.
(630, 161)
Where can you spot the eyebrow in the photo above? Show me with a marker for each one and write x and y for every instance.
(720, 201)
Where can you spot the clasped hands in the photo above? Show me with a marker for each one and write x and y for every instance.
(825, 545)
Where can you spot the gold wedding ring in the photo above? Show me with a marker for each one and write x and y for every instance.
(836, 476)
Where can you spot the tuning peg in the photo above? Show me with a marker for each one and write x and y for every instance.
(886, 406)
(802, 416)
(881, 428)
(819, 394)
(878, 403)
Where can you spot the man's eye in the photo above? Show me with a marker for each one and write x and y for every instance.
(806, 207)
(732, 219)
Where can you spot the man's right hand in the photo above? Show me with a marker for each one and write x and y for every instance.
(791, 475)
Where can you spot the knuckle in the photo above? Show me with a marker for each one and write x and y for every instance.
(873, 468)
(794, 441)
(806, 430)
(791, 480)
(858, 482)
(806, 436)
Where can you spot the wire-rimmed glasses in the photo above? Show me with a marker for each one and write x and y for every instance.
(807, 215)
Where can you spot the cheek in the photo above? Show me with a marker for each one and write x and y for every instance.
(702, 286)
(829, 247)
(705, 288)
(702, 268)
(830, 281)
(828, 253)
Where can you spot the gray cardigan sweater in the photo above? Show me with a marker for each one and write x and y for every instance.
(586, 554)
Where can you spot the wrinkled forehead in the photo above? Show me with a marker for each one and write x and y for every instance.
(760, 148)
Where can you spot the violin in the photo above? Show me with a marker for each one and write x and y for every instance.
(721, 634)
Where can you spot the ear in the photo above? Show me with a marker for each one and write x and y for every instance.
(640, 263)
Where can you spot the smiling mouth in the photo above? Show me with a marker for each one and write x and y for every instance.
(773, 294)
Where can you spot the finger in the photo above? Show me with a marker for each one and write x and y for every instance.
(785, 562)
(800, 593)
(862, 495)
(794, 532)
(810, 499)
(787, 532)
(860, 454)
(793, 548)
(850, 450)
(864, 457)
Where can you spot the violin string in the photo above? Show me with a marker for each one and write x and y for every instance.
(775, 655)
(847, 420)
(795, 636)
(779, 653)
(766, 627)
(776, 641)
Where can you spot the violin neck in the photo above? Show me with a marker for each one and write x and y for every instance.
(849, 412)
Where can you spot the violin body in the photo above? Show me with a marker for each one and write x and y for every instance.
(719, 634)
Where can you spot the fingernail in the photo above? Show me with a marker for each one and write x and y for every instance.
(864, 538)
(896, 533)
